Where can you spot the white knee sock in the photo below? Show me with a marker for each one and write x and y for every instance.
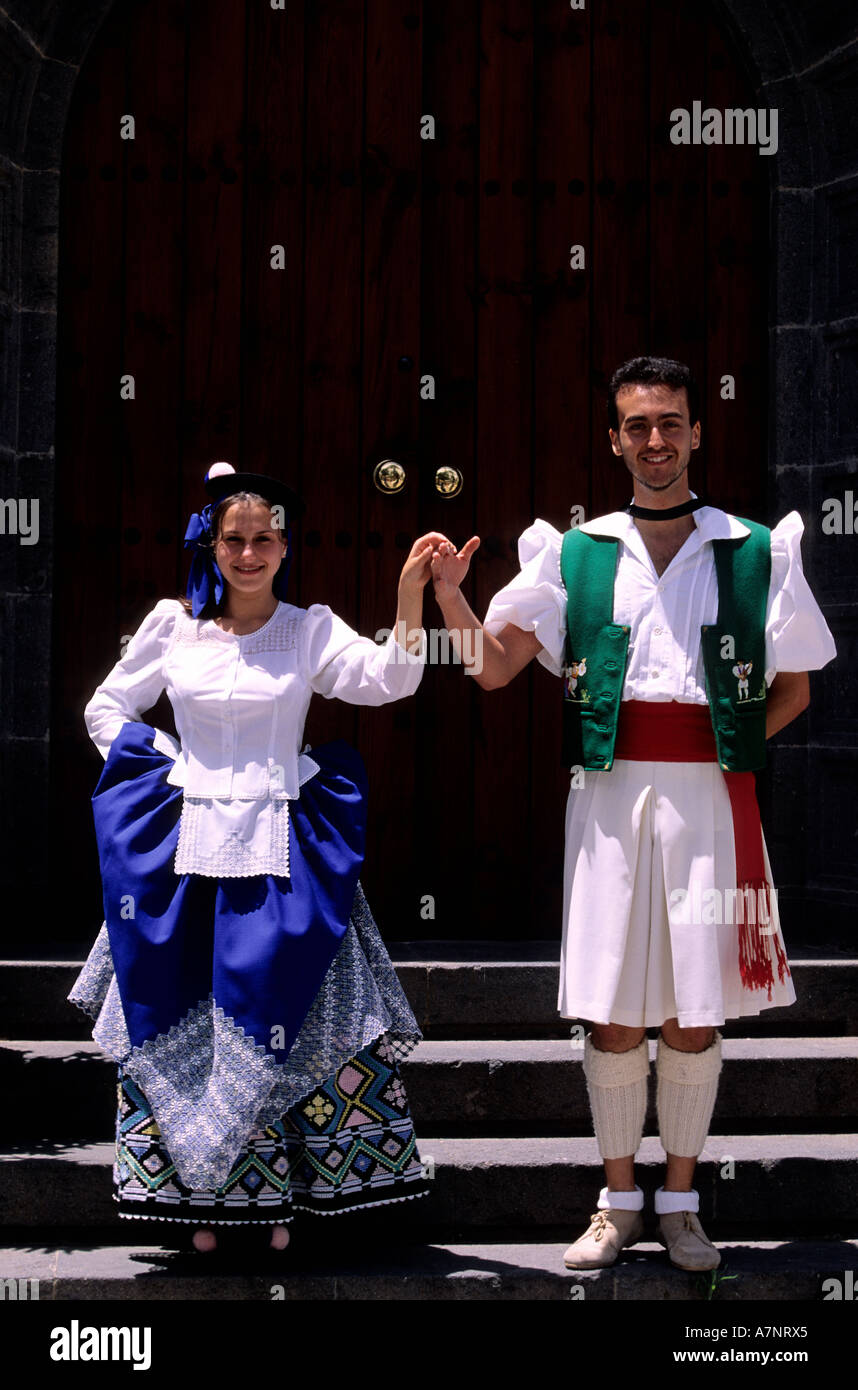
(616, 1085)
(687, 1083)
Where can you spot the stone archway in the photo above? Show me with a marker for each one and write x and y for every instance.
(805, 61)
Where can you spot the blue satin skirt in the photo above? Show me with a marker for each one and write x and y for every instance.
(261, 946)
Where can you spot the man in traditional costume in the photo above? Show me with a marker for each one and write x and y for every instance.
(684, 636)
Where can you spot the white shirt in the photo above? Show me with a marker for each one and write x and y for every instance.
(666, 612)
(240, 705)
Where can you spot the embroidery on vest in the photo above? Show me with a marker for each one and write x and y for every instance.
(571, 676)
(742, 671)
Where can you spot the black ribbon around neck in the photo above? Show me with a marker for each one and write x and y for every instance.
(667, 513)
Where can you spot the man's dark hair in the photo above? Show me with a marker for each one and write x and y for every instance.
(653, 371)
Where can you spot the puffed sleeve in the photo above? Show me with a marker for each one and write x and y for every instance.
(535, 599)
(342, 665)
(797, 635)
(135, 682)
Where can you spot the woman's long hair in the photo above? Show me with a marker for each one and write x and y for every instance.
(211, 608)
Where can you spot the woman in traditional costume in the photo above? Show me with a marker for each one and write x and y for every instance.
(239, 979)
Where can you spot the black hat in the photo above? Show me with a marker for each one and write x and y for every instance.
(222, 481)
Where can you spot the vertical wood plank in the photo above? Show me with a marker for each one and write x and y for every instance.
(620, 229)
(677, 198)
(152, 526)
(330, 466)
(390, 425)
(272, 359)
(504, 447)
(445, 700)
(561, 414)
(737, 281)
(213, 244)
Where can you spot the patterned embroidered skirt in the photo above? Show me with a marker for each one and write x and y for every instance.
(349, 1145)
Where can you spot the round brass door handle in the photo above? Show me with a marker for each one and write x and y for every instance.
(448, 481)
(389, 476)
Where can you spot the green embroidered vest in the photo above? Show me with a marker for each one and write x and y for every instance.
(734, 650)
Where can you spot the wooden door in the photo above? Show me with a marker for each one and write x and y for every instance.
(426, 169)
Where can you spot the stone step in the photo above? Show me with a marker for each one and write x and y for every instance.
(538, 1086)
(472, 1087)
(776, 1270)
(475, 990)
(754, 1186)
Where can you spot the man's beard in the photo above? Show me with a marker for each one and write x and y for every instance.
(660, 487)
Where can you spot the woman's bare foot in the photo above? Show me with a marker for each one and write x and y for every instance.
(204, 1239)
(279, 1238)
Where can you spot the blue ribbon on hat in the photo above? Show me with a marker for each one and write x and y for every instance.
(205, 577)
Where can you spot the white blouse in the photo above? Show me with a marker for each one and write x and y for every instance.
(240, 705)
(666, 612)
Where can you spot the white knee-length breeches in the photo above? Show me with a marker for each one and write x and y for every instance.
(635, 951)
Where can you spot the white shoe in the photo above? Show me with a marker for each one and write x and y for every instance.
(609, 1232)
(686, 1242)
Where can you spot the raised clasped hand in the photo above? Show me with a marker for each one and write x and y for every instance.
(449, 565)
(416, 572)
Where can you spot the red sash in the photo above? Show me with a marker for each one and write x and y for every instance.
(669, 732)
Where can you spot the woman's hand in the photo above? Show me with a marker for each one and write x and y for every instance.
(449, 567)
(417, 571)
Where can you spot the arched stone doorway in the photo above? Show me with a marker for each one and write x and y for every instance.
(813, 183)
